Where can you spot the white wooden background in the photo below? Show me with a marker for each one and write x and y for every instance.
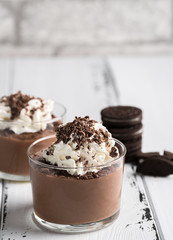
(85, 86)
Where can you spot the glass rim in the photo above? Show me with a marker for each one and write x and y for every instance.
(64, 111)
(121, 156)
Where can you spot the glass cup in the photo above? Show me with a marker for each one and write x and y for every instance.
(13, 147)
(66, 203)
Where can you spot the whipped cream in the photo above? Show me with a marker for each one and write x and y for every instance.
(32, 118)
(82, 155)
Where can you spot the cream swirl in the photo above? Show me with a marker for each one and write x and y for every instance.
(94, 151)
(32, 118)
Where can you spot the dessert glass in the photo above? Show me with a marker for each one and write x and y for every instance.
(13, 147)
(71, 204)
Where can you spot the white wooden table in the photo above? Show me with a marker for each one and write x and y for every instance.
(85, 86)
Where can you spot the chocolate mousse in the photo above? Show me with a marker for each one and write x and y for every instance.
(78, 178)
(23, 119)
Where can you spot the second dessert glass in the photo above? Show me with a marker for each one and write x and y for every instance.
(13, 147)
(71, 204)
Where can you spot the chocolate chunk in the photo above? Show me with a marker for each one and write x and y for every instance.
(155, 166)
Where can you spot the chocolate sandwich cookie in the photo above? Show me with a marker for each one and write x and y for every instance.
(133, 144)
(147, 155)
(125, 124)
(133, 148)
(155, 166)
(130, 159)
(168, 154)
(126, 133)
(121, 116)
(133, 153)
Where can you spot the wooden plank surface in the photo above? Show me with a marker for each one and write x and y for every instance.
(6, 67)
(148, 83)
(85, 87)
(77, 83)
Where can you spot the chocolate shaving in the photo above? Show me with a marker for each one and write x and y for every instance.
(81, 131)
(33, 111)
(17, 102)
(50, 150)
(81, 159)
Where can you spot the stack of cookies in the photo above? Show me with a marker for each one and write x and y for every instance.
(125, 124)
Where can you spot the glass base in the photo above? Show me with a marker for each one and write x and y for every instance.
(74, 228)
(13, 177)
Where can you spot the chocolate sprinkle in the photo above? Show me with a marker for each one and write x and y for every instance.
(17, 102)
(50, 150)
(81, 131)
